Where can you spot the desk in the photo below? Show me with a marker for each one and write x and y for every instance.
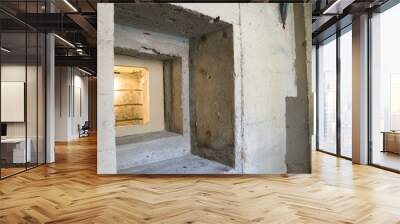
(391, 141)
(13, 150)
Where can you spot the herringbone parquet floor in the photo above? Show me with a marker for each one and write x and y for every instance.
(69, 191)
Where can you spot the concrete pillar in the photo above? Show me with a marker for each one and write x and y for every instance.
(360, 90)
(106, 147)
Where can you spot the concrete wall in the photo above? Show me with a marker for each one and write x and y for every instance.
(269, 82)
(153, 147)
(212, 96)
(156, 95)
(173, 95)
(299, 129)
(265, 75)
(106, 146)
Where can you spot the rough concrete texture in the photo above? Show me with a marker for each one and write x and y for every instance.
(166, 18)
(265, 76)
(189, 164)
(106, 148)
(268, 78)
(173, 93)
(149, 148)
(297, 129)
(212, 96)
(132, 41)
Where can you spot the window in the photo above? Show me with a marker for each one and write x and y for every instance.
(385, 89)
(327, 96)
(346, 93)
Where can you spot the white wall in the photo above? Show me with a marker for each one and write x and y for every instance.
(12, 73)
(79, 118)
(66, 119)
(33, 127)
(156, 95)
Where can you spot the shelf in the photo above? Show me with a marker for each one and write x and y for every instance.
(136, 119)
(139, 90)
(129, 104)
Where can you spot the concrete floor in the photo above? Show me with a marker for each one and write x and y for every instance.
(189, 164)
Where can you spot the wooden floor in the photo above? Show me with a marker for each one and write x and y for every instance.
(69, 191)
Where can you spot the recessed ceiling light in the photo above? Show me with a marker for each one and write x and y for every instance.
(64, 40)
(84, 71)
(5, 50)
(337, 7)
(70, 5)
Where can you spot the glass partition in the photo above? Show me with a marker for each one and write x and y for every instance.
(22, 77)
(385, 89)
(13, 93)
(327, 96)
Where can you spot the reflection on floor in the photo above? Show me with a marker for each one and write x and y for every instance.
(10, 171)
(387, 159)
(346, 152)
(189, 164)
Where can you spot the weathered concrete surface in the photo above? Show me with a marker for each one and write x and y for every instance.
(230, 13)
(264, 56)
(265, 75)
(298, 148)
(166, 18)
(268, 78)
(149, 148)
(173, 93)
(212, 96)
(106, 148)
(155, 93)
(189, 164)
(163, 47)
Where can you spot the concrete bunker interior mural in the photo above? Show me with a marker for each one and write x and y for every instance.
(181, 102)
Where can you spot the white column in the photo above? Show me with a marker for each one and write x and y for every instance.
(106, 148)
(360, 90)
(50, 99)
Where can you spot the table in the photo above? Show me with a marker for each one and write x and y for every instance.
(13, 150)
(391, 141)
